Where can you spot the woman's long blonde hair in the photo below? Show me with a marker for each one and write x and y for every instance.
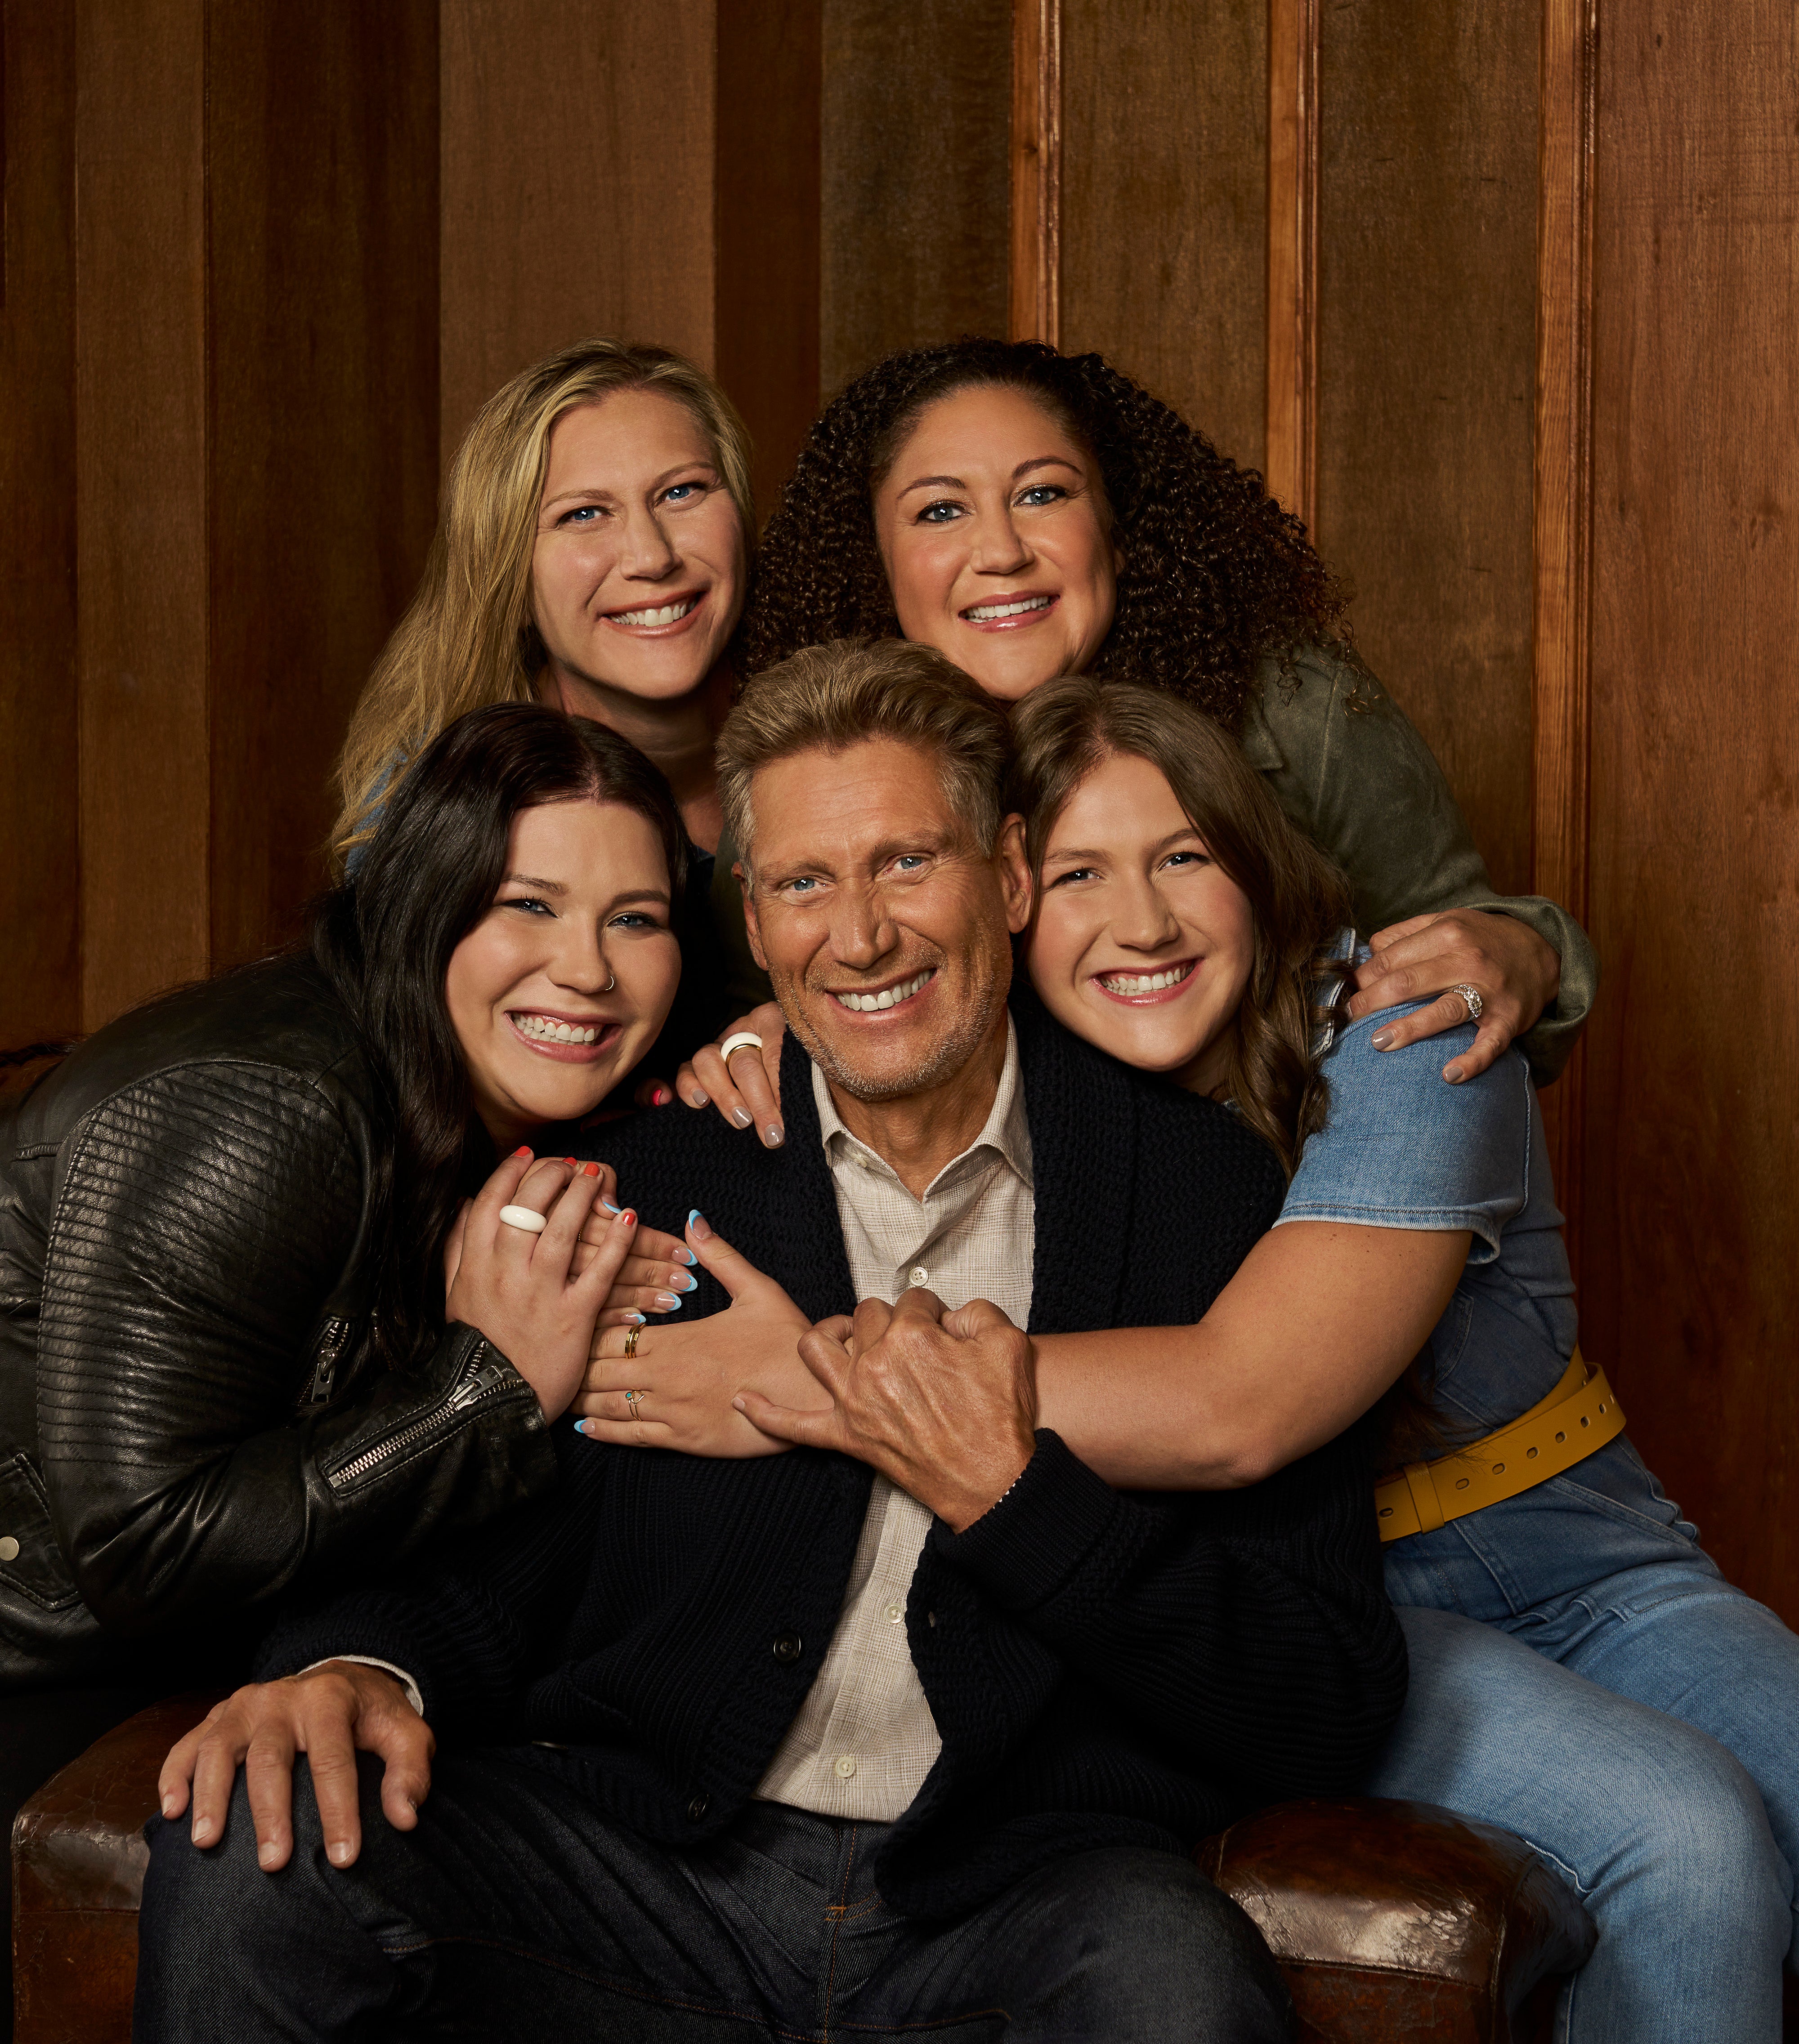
(1299, 900)
(469, 637)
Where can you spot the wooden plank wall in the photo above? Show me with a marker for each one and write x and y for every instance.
(1692, 1127)
(40, 807)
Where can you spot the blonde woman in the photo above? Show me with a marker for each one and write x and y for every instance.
(591, 553)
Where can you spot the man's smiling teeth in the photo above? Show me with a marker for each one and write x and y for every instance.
(1144, 982)
(546, 1029)
(985, 614)
(668, 615)
(888, 996)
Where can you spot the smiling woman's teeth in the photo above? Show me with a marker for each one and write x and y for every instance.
(888, 996)
(1143, 982)
(544, 1029)
(668, 613)
(985, 614)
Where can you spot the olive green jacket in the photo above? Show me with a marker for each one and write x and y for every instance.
(1348, 768)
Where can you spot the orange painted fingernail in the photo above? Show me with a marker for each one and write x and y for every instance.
(523, 1150)
(589, 1170)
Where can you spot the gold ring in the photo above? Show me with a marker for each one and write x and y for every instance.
(631, 1341)
(631, 1398)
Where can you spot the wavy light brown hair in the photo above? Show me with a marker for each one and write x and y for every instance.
(828, 698)
(1217, 577)
(1299, 900)
(469, 638)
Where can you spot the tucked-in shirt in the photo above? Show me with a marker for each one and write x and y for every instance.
(864, 1738)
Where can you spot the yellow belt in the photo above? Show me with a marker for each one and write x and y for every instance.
(1579, 1417)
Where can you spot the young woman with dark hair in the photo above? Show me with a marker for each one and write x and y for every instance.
(230, 1372)
(1031, 514)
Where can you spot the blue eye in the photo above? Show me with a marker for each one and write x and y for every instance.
(679, 492)
(581, 514)
(940, 513)
(1042, 493)
(530, 904)
(1075, 873)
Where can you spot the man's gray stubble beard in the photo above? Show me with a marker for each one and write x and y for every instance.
(946, 1056)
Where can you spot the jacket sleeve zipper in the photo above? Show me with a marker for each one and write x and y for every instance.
(324, 1360)
(481, 1379)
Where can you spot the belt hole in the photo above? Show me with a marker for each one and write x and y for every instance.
(1585, 1421)
(1529, 1452)
(1499, 1469)
(1461, 1483)
(1605, 1408)
(1561, 1437)
(1387, 1511)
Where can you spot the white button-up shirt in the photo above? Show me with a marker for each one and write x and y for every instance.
(864, 1739)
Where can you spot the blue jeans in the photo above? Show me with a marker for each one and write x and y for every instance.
(516, 1910)
(1583, 1675)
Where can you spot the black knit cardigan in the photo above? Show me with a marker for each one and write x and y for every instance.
(1104, 1667)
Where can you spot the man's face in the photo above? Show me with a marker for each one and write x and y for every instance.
(884, 927)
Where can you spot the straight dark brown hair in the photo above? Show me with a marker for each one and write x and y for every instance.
(1299, 899)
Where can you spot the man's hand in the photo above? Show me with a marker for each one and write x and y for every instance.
(1516, 973)
(944, 1405)
(685, 1377)
(329, 1714)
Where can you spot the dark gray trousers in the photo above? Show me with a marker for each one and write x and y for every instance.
(516, 1910)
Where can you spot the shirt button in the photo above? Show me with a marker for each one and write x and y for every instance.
(895, 1613)
(918, 1275)
(843, 1766)
(787, 1647)
(697, 1809)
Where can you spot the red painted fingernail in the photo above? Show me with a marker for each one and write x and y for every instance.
(588, 1170)
(663, 1096)
(523, 1150)
(627, 1218)
(570, 1162)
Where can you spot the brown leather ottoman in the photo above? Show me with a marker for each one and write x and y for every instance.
(78, 1857)
(1403, 1923)
(1392, 1921)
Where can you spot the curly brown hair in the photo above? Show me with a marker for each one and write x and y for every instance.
(1217, 577)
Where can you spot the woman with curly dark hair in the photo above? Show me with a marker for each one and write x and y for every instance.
(1030, 513)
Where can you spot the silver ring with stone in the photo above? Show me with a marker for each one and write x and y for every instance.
(1470, 999)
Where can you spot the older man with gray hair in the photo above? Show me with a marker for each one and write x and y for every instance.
(910, 1729)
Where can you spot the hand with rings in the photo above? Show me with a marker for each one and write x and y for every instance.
(670, 1385)
(740, 1075)
(510, 1269)
(1470, 966)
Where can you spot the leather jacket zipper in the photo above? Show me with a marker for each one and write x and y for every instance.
(325, 1359)
(480, 1380)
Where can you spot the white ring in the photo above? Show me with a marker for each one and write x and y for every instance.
(745, 1039)
(523, 1219)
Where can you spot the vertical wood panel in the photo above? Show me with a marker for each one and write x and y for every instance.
(577, 184)
(1164, 221)
(771, 61)
(40, 850)
(1426, 372)
(915, 176)
(323, 413)
(1562, 534)
(141, 495)
(1034, 300)
(1693, 1063)
(1291, 465)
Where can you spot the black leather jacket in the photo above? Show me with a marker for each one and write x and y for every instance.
(192, 1423)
